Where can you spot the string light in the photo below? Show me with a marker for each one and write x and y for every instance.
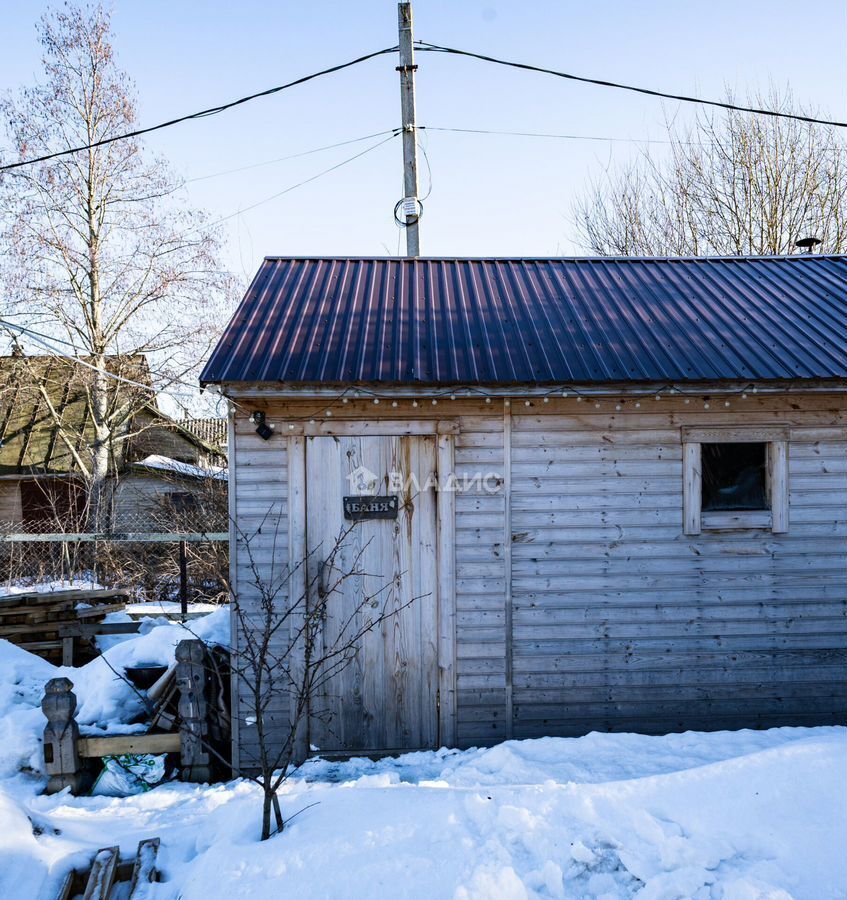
(726, 403)
(638, 404)
(617, 406)
(434, 402)
(744, 396)
(329, 412)
(376, 401)
(706, 405)
(546, 399)
(564, 394)
(507, 402)
(527, 403)
(394, 403)
(452, 396)
(488, 399)
(415, 404)
(290, 427)
(686, 400)
(345, 400)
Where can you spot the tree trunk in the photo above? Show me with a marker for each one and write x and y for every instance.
(98, 497)
(267, 802)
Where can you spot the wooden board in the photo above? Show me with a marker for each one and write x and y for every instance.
(115, 745)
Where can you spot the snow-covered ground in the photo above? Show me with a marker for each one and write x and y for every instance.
(730, 816)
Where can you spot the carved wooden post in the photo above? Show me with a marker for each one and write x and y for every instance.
(61, 755)
(191, 680)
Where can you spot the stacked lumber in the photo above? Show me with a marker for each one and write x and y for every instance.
(48, 623)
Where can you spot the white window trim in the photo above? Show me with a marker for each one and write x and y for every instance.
(695, 520)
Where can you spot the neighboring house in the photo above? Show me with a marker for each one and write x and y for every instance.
(621, 488)
(41, 488)
(212, 432)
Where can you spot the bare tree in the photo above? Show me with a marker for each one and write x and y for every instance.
(732, 184)
(100, 252)
(285, 652)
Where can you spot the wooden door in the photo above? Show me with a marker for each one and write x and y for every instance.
(386, 698)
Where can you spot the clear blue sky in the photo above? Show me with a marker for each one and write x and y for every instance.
(490, 195)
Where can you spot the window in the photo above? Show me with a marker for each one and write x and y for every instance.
(735, 478)
(183, 502)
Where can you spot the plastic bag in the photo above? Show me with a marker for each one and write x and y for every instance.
(128, 774)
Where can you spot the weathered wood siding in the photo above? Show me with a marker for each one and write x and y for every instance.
(580, 603)
(259, 542)
(481, 551)
(622, 622)
(10, 501)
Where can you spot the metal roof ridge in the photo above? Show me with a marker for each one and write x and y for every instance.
(791, 257)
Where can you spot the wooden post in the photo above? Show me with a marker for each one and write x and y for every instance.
(61, 735)
(410, 136)
(191, 681)
(183, 581)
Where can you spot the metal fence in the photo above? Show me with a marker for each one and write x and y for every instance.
(164, 559)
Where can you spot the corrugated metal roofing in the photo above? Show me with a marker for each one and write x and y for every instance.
(501, 321)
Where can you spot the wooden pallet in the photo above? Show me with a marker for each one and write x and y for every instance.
(106, 871)
(39, 622)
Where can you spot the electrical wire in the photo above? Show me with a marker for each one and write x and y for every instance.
(427, 47)
(299, 184)
(269, 162)
(545, 134)
(211, 111)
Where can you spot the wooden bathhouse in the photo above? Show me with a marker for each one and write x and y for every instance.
(628, 500)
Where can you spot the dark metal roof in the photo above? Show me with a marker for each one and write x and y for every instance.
(498, 321)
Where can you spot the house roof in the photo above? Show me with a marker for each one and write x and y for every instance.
(212, 431)
(397, 321)
(30, 438)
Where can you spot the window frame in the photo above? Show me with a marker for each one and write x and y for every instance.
(775, 519)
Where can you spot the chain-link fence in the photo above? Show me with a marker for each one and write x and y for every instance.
(174, 555)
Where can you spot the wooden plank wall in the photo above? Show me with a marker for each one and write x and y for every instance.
(482, 709)
(620, 620)
(260, 509)
(10, 501)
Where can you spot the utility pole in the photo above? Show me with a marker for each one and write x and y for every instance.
(410, 207)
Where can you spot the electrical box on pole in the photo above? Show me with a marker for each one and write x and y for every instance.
(410, 208)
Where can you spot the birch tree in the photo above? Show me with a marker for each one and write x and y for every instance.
(732, 184)
(101, 250)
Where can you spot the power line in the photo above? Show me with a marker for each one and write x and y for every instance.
(544, 134)
(211, 111)
(425, 47)
(299, 184)
(269, 162)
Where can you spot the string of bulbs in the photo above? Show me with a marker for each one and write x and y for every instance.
(328, 409)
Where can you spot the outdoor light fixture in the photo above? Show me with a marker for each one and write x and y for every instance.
(264, 430)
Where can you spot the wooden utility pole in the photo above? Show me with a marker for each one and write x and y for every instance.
(410, 209)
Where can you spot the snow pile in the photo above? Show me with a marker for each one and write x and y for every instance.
(725, 816)
(764, 819)
(106, 703)
(22, 679)
(175, 467)
(48, 587)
